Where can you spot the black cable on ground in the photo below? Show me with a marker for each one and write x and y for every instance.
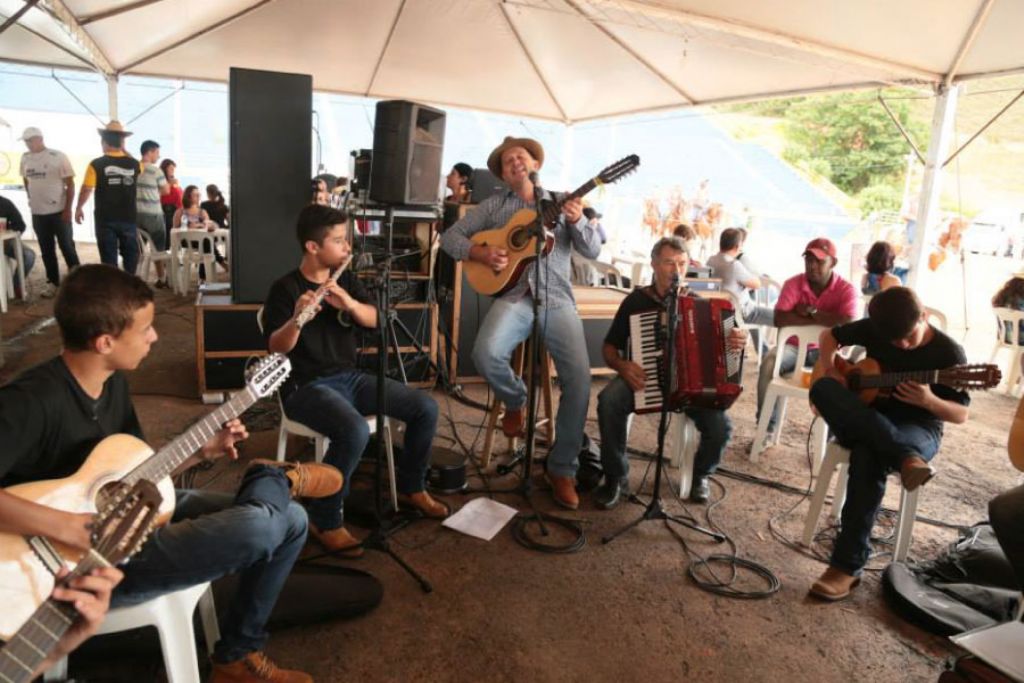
(522, 524)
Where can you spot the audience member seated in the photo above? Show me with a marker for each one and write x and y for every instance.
(594, 221)
(737, 280)
(1011, 295)
(689, 238)
(192, 217)
(879, 264)
(320, 195)
(16, 223)
(215, 206)
(458, 182)
(170, 202)
(818, 296)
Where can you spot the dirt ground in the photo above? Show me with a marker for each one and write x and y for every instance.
(623, 611)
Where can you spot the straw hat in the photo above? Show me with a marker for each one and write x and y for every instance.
(530, 145)
(114, 126)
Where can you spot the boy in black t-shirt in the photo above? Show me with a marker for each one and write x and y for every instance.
(902, 432)
(616, 401)
(53, 415)
(326, 392)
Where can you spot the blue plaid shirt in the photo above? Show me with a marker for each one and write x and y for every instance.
(555, 288)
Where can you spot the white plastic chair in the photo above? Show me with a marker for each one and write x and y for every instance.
(837, 457)
(7, 268)
(935, 317)
(783, 388)
(147, 256)
(1012, 319)
(171, 614)
(191, 249)
(321, 442)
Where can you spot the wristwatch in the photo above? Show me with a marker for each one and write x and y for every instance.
(812, 310)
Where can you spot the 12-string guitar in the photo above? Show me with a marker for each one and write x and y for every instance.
(117, 461)
(869, 382)
(518, 236)
(118, 531)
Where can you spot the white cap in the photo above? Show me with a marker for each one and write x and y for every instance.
(31, 132)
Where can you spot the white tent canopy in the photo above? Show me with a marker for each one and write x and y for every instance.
(568, 60)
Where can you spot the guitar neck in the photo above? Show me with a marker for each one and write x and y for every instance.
(38, 636)
(892, 379)
(171, 456)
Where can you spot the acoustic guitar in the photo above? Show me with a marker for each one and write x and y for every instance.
(119, 530)
(1015, 444)
(868, 381)
(117, 461)
(519, 235)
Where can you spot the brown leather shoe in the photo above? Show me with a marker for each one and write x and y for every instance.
(563, 489)
(255, 667)
(337, 541)
(915, 471)
(512, 421)
(308, 479)
(425, 503)
(834, 585)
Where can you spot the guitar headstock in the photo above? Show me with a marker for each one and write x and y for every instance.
(975, 376)
(125, 521)
(620, 168)
(268, 374)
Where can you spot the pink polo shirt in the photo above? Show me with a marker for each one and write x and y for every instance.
(838, 297)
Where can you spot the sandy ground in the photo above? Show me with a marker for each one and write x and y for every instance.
(624, 611)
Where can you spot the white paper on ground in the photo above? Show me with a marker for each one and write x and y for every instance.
(999, 646)
(481, 518)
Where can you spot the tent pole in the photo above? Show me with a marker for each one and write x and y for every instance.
(928, 203)
(112, 95)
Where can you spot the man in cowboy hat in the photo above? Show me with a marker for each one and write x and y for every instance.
(511, 317)
(113, 177)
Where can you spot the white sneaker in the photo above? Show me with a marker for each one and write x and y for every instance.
(48, 291)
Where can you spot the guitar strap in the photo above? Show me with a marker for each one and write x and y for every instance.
(46, 553)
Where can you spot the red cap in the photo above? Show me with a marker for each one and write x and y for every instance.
(821, 247)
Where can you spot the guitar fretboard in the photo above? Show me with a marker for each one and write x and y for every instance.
(891, 379)
(171, 456)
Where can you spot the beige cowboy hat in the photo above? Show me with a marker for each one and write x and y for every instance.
(530, 145)
(114, 126)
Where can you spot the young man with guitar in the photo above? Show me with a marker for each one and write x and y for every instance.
(669, 260)
(901, 432)
(326, 392)
(510, 319)
(53, 415)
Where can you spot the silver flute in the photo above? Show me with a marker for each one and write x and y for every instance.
(307, 313)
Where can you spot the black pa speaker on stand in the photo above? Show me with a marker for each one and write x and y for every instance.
(408, 141)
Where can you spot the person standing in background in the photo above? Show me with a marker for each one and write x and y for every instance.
(50, 184)
(171, 201)
(152, 186)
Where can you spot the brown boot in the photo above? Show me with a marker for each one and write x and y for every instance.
(915, 471)
(563, 489)
(337, 541)
(308, 479)
(255, 667)
(512, 421)
(425, 503)
(834, 585)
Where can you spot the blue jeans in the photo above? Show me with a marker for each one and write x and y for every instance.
(509, 323)
(336, 405)
(615, 403)
(258, 533)
(28, 257)
(114, 236)
(50, 227)
(787, 367)
(878, 445)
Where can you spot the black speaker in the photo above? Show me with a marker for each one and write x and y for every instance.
(408, 140)
(271, 118)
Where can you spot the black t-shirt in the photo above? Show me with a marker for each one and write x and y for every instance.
(639, 301)
(938, 354)
(217, 211)
(115, 188)
(327, 343)
(49, 425)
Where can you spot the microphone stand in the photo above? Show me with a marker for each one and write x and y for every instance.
(655, 509)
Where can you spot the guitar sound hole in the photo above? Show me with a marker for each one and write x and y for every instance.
(518, 239)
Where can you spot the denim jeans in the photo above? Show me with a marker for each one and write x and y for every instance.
(114, 236)
(786, 368)
(509, 323)
(615, 403)
(50, 227)
(336, 405)
(28, 257)
(878, 445)
(258, 533)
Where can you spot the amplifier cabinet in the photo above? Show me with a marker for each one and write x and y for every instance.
(227, 337)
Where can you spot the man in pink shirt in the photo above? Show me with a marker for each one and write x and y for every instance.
(818, 296)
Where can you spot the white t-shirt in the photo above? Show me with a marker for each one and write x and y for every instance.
(46, 172)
